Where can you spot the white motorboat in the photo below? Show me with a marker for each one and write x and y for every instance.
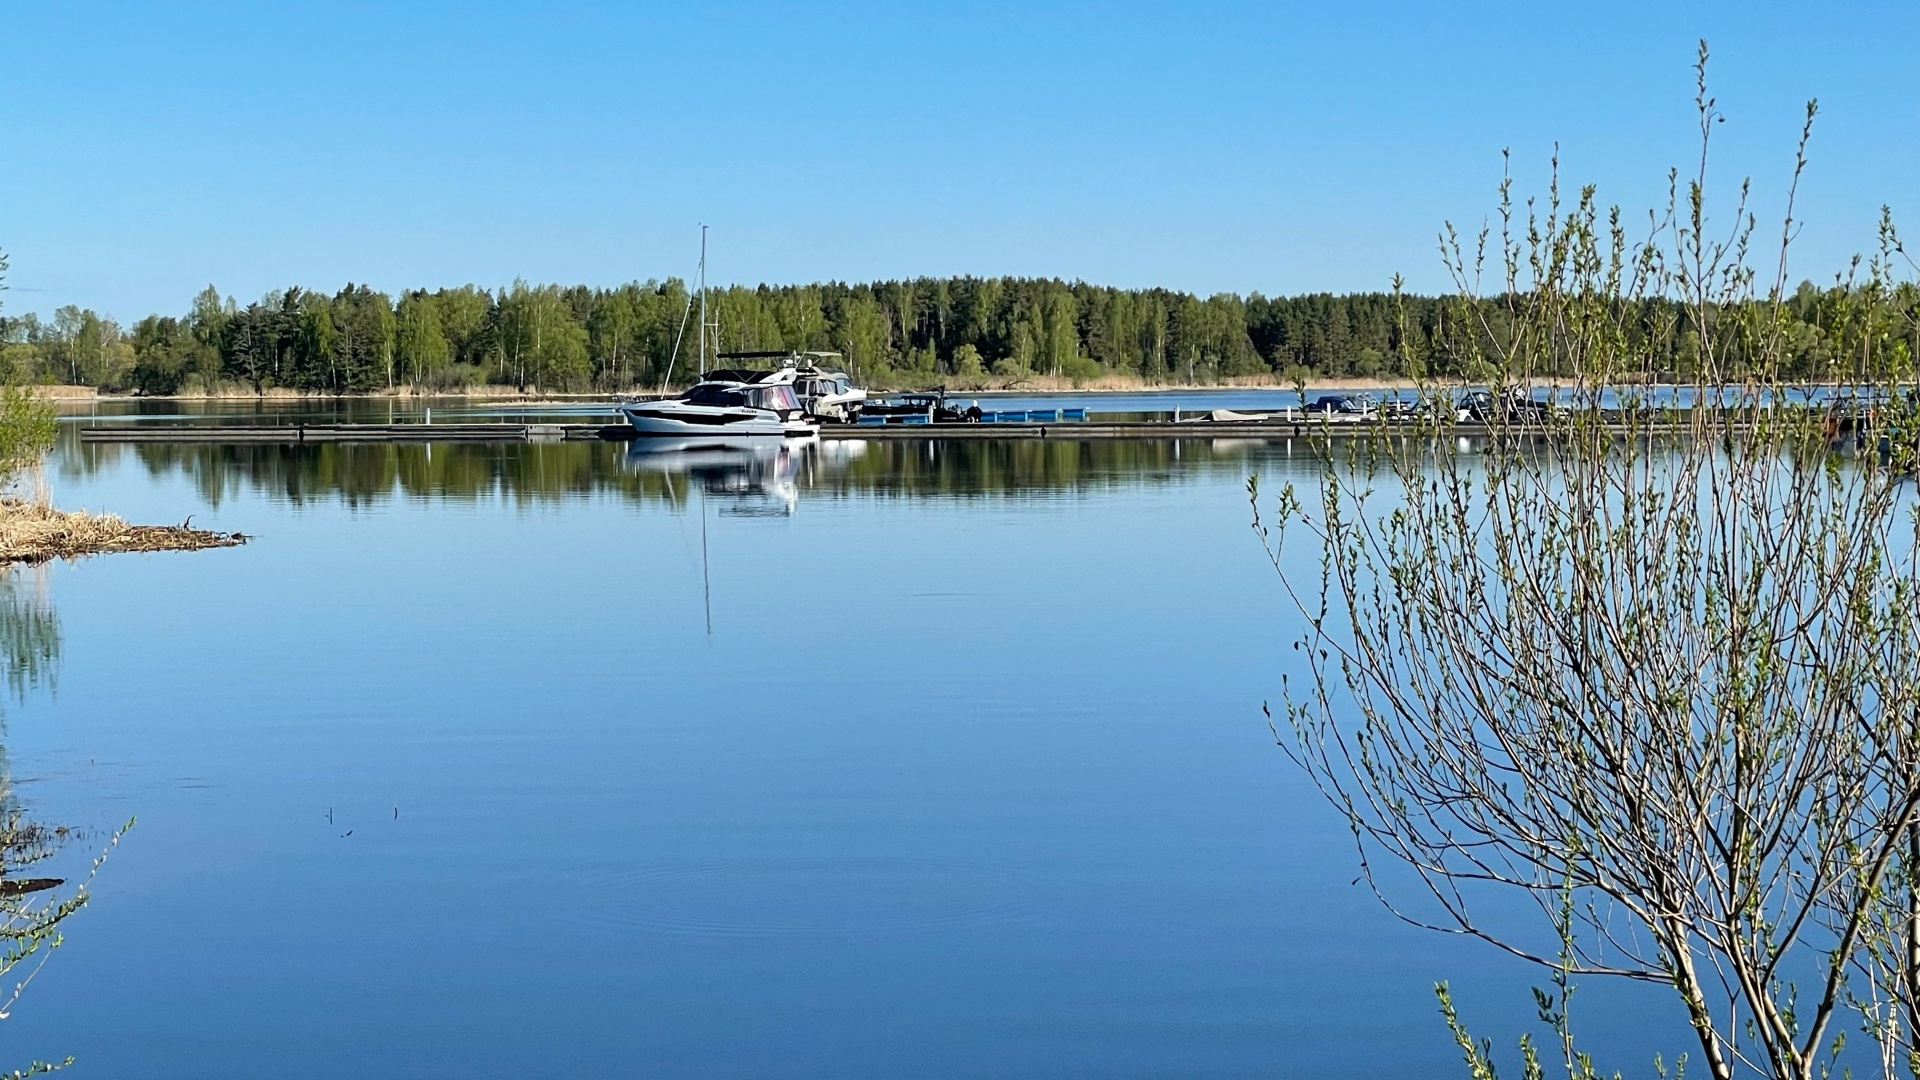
(725, 405)
(723, 409)
(825, 392)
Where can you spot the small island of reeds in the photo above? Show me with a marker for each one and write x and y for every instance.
(34, 532)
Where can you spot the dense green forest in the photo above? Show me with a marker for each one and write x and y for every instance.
(892, 333)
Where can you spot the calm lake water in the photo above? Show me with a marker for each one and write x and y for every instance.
(897, 760)
(1100, 405)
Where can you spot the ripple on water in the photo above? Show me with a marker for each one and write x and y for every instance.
(802, 896)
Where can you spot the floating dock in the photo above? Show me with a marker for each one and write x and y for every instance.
(300, 434)
(323, 433)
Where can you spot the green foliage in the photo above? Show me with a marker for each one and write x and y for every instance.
(26, 421)
(420, 347)
(87, 350)
(966, 362)
(920, 331)
(31, 916)
(1081, 368)
(1647, 665)
(26, 429)
(172, 355)
(541, 343)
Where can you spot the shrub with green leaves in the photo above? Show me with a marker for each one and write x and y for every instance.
(1646, 655)
(26, 430)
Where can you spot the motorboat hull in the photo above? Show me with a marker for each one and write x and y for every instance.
(693, 421)
(839, 408)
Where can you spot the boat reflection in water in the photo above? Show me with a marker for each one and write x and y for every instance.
(747, 477)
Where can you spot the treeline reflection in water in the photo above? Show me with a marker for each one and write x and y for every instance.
(769, 478)
(43, 875)
(29, 631)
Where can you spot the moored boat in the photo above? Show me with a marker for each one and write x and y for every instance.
(823, 391)
(725, 404)
(930, 407)
(724, 408)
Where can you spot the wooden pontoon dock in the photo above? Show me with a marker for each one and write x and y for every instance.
(299, 434)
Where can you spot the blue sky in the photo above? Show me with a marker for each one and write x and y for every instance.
(153, 148)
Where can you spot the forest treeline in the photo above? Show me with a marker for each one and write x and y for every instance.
(891, 333)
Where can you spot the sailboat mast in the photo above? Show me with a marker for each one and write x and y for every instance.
(703, 300)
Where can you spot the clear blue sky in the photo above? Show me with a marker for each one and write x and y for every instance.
(153, 148)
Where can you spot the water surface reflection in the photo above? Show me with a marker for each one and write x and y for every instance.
(940, 759)
(29, 630)
(771, 473)
(44, 873)
(752, 476)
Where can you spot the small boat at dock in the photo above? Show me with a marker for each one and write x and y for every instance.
(1231, 416)
(824, 392)
(927, 407)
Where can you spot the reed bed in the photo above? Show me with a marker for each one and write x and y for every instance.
(34, 532)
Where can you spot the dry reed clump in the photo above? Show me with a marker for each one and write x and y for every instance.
(34, 532)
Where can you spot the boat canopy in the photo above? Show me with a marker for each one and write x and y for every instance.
(777, 396)
(735, 375)
(782, 354)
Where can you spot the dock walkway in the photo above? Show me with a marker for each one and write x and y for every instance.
(415, 433)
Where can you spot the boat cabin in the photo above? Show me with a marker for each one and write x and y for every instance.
(777, 398)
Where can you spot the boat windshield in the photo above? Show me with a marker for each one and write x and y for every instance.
(714, 394)
(774, 397)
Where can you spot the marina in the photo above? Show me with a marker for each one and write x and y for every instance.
(511, 432)
(1078, 586)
